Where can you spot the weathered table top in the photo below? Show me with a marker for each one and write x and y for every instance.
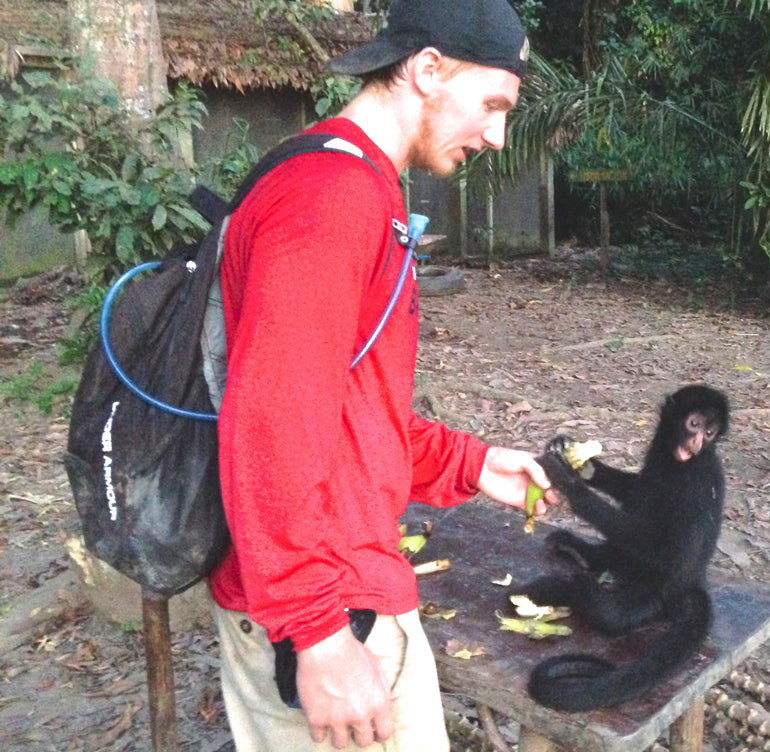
(484, 543)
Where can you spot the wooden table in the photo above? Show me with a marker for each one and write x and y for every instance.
(485, 543)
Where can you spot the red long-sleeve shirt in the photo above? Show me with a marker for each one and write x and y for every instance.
(317, 461)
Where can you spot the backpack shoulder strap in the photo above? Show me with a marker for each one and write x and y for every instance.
(214, 208)
(217, 210)
(303, 143)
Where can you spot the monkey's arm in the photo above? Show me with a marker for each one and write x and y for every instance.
(617, 483)
(619, 528)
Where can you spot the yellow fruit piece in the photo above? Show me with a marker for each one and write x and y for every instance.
(412, 543)
(535, 629)
(528, 609)
(579, 452)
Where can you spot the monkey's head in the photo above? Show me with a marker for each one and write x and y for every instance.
(692, 419)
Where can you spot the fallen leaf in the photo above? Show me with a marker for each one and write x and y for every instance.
(121, 725)
(519, 407)
(457, 649)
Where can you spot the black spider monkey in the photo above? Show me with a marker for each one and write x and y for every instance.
(658, 541)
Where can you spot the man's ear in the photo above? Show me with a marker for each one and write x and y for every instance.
(424, 66)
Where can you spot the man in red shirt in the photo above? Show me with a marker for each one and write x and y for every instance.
(318, 460)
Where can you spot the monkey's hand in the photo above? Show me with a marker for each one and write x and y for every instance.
(561, 472)
(563, 478)
(576, 454)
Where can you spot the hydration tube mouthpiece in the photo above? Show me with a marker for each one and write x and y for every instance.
(417, 225)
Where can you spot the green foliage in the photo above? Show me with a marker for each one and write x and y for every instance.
(529, 12)
(755, 125)
(239, 155)
(74, 347)
(36, 386)
(658, 90)
(333, 93)
(72, 148)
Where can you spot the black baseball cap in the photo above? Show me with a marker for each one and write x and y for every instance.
(486, 32)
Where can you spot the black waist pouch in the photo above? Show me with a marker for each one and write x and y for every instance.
(361, 622)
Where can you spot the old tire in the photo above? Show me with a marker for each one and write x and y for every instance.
(439, 280)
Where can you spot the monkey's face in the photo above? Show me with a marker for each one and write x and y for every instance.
(698, 431)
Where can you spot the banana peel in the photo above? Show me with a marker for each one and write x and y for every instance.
(409, 545)
(432, 610)
(431, 567)
(530, 610)
(576, 453)
(534, 492)
(535, 629)
(534, 621)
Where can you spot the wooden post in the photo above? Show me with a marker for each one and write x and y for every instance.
(160, 672)
(604, 227)
(545, 196)
(490, 206)
(686, 733)
(463, 188)
(602, 177)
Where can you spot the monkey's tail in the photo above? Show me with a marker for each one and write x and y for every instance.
(580, 682)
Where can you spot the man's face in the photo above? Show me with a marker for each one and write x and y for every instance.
(465, 114)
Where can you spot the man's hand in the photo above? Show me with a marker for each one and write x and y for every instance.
(342, 689)
(506, 475)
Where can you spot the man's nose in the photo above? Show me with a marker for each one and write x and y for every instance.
(494, 133)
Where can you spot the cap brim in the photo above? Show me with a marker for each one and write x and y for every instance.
(371, 57)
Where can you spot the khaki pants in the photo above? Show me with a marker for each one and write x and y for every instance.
(261, 722)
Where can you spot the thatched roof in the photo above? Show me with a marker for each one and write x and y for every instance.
(214, 42)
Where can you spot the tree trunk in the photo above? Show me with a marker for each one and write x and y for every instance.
(119, 40)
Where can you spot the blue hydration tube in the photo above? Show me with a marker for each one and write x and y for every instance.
(104, 336)
(417, 225)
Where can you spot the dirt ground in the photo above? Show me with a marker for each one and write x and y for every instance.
(523, 352)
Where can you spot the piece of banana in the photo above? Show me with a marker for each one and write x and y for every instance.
(409, 545)
(576, 453)
(534, 493)
(530, 610)
(535, 629)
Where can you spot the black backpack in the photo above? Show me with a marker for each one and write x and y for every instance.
(142, 454)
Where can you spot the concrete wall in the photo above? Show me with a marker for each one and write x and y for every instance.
(521, 222)
(271, 114)
(33, 246)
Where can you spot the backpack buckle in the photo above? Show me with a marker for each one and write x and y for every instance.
(402, 231)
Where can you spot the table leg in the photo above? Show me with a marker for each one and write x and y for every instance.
(529, 741)
(686, 732)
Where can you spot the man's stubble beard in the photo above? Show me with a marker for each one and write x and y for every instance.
(424, 153)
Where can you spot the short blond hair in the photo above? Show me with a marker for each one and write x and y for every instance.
(387, 77)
